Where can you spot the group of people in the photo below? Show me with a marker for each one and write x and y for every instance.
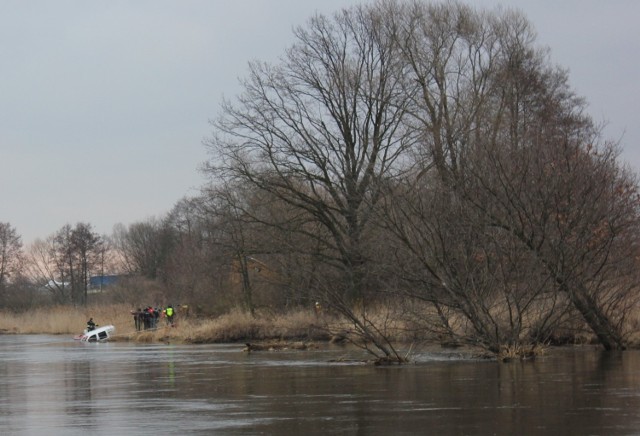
(149, 317)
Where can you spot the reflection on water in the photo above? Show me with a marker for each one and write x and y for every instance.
(54, 385)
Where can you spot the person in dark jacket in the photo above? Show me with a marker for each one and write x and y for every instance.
(137, 318)
(91, 325)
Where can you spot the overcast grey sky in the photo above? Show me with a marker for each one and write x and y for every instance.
(104, 104)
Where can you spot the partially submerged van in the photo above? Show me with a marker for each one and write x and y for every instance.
(99, 334)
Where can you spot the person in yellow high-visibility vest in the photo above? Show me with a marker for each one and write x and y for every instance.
(170, 312)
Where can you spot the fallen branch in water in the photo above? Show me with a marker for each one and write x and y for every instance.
(277, 346)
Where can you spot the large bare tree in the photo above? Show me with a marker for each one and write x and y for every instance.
(479, 145)
(319, 130)
(572, 206)
(513, 150)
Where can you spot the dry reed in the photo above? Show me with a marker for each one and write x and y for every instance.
(231, 327)
(60, 320)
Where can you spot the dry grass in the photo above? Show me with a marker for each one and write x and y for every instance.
(240, 326)
(232, 327)
(58, 320)
(520, 352)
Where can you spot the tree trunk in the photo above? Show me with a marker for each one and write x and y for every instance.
(608, 335)
(246, 285)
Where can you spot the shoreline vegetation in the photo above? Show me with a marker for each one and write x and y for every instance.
(298, 329)
(235, 326)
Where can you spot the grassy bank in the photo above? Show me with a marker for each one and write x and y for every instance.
(232, 327)
(237, 326)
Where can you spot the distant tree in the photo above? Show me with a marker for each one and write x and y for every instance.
(76, 251)
(64, 262)
(231, 239)
(11, 257)
(107, 259)
(192, 269)
(236, 227)
(88, 247)
(144, 247)
(44, 270)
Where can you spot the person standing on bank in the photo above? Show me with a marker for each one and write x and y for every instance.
(170, 312)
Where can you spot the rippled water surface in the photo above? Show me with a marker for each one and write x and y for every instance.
(54, 385)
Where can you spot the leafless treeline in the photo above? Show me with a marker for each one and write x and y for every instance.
(408, 164)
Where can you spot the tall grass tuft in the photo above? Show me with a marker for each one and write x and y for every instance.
(520, 352)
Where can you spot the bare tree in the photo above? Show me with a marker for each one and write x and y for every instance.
(193, 265)
(571, 205)
(87, 247)
(11, 257)
(476, 284)
(238, 236)
(144, 247)
(318, 131)
(75, 251)
(513, 151)
(63, 263)
(184, 262)
(44, 270)
(454, 54)
(238, 229)
(503, 208)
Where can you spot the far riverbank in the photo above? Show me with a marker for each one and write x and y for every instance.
(232, 327)
(299, 326)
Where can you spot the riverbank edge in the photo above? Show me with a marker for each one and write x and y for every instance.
(292, 330)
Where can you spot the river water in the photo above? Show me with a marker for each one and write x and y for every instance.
(53, 385)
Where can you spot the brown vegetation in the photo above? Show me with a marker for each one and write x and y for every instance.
(297, 329)
(235, 326)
